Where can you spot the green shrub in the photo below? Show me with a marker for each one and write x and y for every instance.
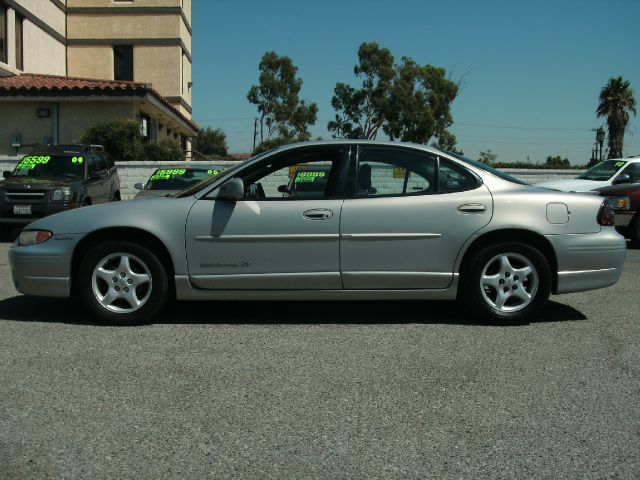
(164, 151)
(120, 138)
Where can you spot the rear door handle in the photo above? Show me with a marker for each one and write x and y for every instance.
(317, 214)
(472, 208)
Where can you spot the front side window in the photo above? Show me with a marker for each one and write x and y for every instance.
(633, 170)
(299, 175)
(92, 166)
(123, 62)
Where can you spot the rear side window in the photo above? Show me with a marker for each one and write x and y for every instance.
(454, 178)
(384, 171)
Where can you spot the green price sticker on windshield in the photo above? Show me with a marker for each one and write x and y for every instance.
(308, 177)
(78, 160)
(30, 161)
(619, 164)
(213, 172)
(166, 174)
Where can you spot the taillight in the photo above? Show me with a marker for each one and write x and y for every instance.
(605, 215)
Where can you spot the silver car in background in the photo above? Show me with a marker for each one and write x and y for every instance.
(391, 221)
(169, 180)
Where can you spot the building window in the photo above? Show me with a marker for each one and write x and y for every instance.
(3, 33)
(182, 74)
(123, 62)
(19, 43)
(145, 127)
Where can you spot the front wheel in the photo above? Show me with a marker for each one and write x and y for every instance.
(508, 283)
(122, 283)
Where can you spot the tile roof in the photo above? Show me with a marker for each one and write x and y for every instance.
(28, 83)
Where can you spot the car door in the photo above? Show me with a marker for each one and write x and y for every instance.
(270, 239)
(409, 214)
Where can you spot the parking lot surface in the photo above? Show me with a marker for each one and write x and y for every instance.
(329, 390)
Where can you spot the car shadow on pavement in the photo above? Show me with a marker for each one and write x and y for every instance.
(51, 310)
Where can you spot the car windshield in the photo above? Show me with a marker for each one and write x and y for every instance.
(179, 178)
(50, 166)
(486, 168)
(603, 171)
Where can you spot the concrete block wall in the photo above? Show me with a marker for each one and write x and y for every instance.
(139, 172)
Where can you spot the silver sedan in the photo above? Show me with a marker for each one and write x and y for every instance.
(386, 221)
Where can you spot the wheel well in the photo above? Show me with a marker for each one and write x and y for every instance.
(134, 235)
(526, 237)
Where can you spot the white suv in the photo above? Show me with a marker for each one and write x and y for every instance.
(605, 173)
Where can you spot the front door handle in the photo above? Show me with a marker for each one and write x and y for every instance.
(472, 208)
(317, 214)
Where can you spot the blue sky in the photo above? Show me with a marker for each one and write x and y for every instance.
(532, 69)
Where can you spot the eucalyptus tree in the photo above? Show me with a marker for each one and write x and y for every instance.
(283, 116)
(408, 101)
(616, 102)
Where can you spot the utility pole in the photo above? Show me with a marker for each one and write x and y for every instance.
(596, 152)
(255, 132)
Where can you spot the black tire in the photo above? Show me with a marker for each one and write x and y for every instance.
(124, 284)
(634, 231)
(508, 303)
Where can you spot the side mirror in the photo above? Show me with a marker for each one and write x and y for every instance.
(622, 178)
(283, 189)
(232, 190)
(6, 174)
(139, 186)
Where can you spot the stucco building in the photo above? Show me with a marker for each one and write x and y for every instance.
(68, 64)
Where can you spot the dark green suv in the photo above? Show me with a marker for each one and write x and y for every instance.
(54, 179)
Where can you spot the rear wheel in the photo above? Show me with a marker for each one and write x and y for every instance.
(508, 283)
(122, 283)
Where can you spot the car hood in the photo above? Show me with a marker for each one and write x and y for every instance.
(154, 193)
(151, 214)
(623, 189)
(573, 185)
(31, 183)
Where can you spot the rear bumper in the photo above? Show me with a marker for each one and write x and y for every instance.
(589, 261)
(38, 211)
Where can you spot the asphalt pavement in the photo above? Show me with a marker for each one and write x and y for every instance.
(331, 390)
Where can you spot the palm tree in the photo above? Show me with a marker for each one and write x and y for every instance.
(616, 101)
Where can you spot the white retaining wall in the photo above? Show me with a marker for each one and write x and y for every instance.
(139, 172)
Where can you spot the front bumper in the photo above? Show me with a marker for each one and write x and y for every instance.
(589, 261)
(44, 269)
(38, 210)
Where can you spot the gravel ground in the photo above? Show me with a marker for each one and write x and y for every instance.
(331, 390)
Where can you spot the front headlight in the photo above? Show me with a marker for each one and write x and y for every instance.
(31, 237)
(61, 195)
(619, 203)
